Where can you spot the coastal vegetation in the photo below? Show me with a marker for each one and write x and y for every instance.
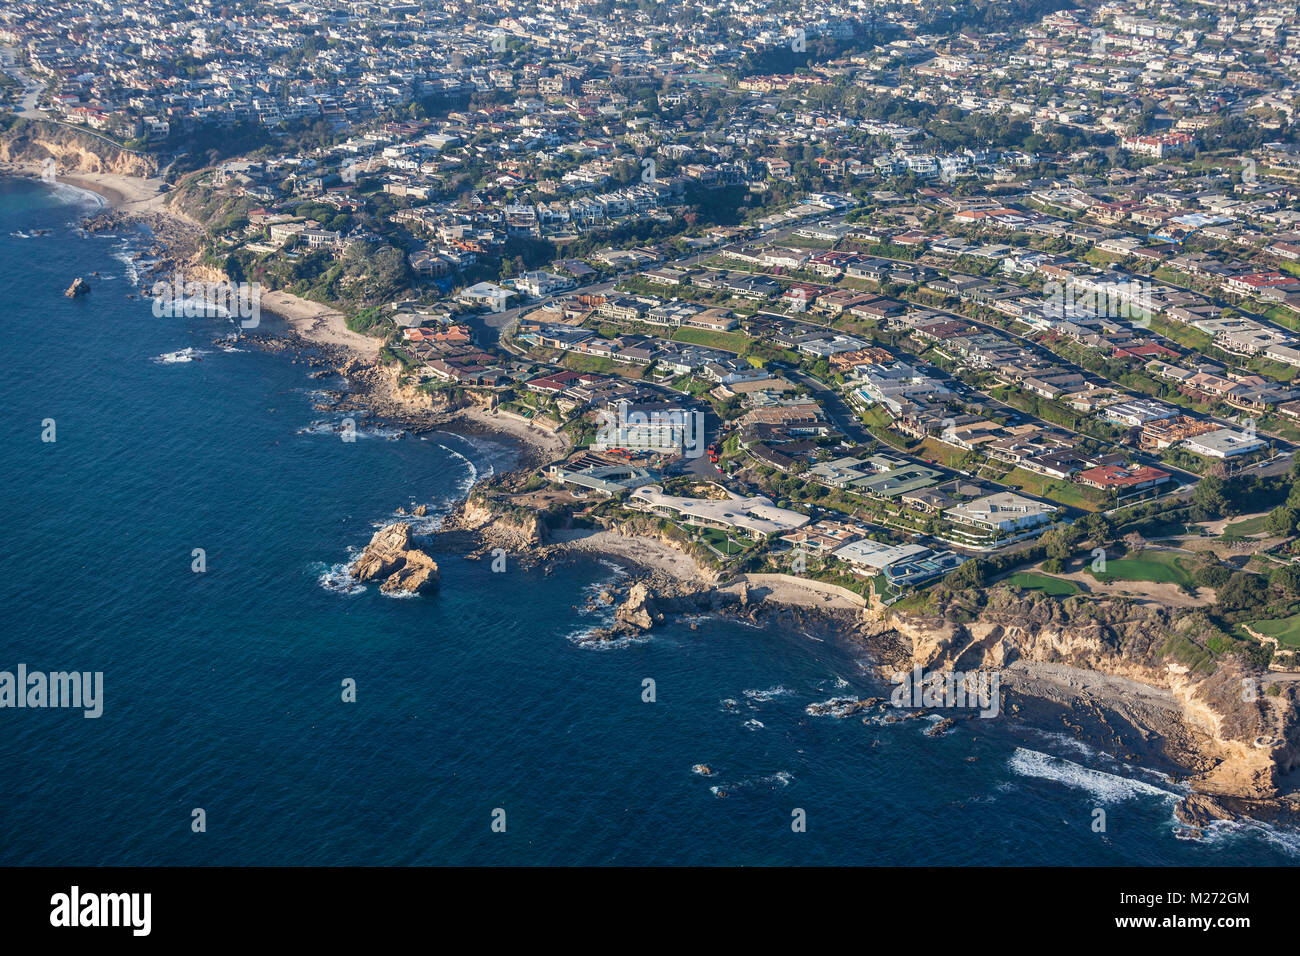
(1286, 630)
(1054, 587)
(1156, 566)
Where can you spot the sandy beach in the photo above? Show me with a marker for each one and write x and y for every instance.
(791, 591)
(644, 552)
(547, 444)
(321, 325)
(130, 194)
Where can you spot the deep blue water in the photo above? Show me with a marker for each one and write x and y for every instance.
(222, 689)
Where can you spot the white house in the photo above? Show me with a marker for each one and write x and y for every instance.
(1004, 511)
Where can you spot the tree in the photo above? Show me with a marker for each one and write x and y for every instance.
(1281, 520)
(1095, 527)
(972, 574)
(1062, 542)
(1243, 592)
(1209, 500)
(1285, 579)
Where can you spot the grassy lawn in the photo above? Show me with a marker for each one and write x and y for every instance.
(948, 455)
(1184, 335)
(1286, 630)
(727, 341)
(1282, 316)
(1155, 566)
(1277, 425)
(1249, 526)
(727, 544)
(1274, 370)
(596, 365)
(1062, 492)
(880, 424)
(1033, 581)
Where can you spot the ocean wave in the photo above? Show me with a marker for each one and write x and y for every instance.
(69, 194)
(180, 357)
(1106, 787)
(1220, 832)
(754, 724)
(421, 525)
(316, 428)
(320, 427)
(838, 707)
(1063, 741)
(132, 261)
(585, 638)
(771, 693)
(771, 781)
(689, 619)
(471, 478)
(603, 615)
(618, 569)
(338, 579)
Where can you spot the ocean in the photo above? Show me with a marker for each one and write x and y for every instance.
(479, 703)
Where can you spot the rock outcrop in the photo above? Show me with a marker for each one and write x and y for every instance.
(391, 557)
(639, 609)
(516, 529)
(79, 287)
(1148, 664)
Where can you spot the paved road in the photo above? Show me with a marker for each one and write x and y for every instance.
(838, 410)
(31, 88)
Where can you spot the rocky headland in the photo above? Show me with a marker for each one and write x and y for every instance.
(1148, 683)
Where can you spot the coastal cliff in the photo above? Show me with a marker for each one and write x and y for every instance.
(1211, 709)
(499, 525)
(72, 150)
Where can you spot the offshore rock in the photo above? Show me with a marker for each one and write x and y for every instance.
(79, 287)
(391, 556)
(639, 609)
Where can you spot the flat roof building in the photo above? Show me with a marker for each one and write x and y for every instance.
(756, 516)
(1003, 511)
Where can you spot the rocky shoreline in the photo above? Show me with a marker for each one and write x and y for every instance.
(1089, 676)
(1183, 735)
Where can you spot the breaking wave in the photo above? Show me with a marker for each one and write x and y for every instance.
(1107, 787)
